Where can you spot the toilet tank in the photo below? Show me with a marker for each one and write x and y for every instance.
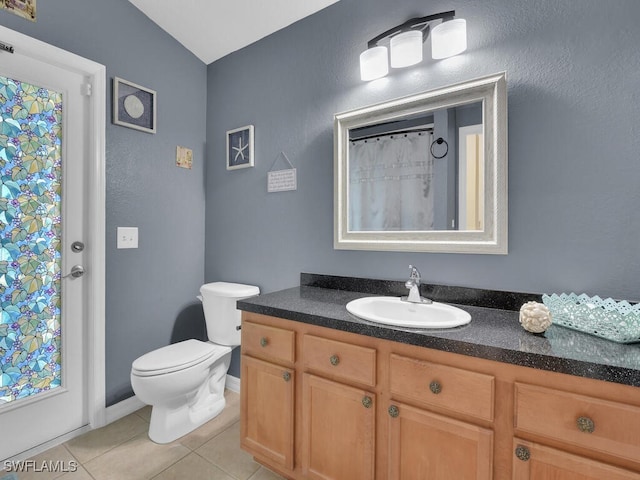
(220, 312)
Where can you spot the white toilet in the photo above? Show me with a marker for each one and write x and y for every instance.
(184, 382)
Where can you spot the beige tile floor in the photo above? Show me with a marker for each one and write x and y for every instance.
(122, 451)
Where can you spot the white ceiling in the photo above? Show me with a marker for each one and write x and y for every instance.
(211, 29)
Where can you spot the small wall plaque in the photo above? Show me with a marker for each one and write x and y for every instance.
(282, 180)
(23, 8)
(184, 157)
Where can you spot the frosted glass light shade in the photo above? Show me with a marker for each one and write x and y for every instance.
(449, 38)
(406, 49)
(373, 63)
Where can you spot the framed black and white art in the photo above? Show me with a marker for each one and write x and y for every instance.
(240, 148)
(134, 106)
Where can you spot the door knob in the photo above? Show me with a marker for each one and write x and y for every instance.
(76, 272)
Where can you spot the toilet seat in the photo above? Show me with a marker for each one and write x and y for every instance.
(175, 357)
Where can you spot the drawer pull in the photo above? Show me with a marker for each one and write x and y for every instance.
(393, 411)
(334, 359)
(435, 387)
(286, 376)
(585, 424)
(264, 342)
(367, 401)
(523, 453)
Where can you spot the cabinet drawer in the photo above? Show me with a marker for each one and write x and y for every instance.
(268, 342)
(342, 360)
(430, 384)
(609, 427)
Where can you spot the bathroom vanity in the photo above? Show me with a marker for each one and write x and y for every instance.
(325, 395)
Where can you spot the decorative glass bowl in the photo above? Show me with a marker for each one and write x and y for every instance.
(618, 321)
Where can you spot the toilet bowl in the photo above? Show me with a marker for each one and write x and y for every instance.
(184, 382)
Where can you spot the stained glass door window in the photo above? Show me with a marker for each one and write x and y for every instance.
(30, 226)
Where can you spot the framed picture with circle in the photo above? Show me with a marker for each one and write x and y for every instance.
(134, 106)
(240, 148)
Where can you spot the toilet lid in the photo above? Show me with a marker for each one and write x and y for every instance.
(177, 356)
(226, 289)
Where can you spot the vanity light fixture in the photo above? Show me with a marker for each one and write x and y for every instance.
(448, 38)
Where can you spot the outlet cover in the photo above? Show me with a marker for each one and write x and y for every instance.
(127, 237)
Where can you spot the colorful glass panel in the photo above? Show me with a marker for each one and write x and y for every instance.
(30, 256)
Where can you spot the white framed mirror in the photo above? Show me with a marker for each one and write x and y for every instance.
(424, 173)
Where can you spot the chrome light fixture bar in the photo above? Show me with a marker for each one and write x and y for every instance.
(448, 38)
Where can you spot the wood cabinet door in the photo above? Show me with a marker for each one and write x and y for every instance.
(338, 431)
(267, 410)
(532, 461)
(424, 445)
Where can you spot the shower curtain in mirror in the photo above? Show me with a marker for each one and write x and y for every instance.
(390, 183)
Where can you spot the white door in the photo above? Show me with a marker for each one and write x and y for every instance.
(44, 141)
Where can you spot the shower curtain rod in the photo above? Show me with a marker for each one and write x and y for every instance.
(395, 132)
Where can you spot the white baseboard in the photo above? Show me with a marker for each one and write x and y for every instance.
(32, 452)
(122, 409)
(233, 383)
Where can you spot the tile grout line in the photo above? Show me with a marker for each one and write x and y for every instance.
(217, 466)
(174, 463)
(220, 467)
(77, 460)
(103, 453)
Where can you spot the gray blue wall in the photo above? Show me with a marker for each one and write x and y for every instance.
(574, 105)
(150, 292)
(574, 77)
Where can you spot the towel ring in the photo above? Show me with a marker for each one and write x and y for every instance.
(439, 141)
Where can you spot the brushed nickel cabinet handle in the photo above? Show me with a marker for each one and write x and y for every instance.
(334, 359)
(367, 401)
(286, 376)
(264, 342)
(393, 411)
(586, 425)
(435, 387)
(523, 453)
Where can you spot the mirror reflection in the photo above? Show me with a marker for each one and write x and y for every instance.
(421, 172)
(424, 173)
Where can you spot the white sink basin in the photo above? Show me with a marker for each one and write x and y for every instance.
(395, 312)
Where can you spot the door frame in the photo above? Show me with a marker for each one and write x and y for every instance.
(95, 75)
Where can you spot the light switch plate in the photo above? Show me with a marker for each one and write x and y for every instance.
(127, 237)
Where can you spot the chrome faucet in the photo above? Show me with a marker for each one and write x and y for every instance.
(413, 284)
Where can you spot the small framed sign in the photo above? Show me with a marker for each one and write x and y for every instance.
(134, 106)
(22, 8)
(240, 148)
(282, 180)
(184, 157)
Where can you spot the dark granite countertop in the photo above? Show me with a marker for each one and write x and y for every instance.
(493, 334)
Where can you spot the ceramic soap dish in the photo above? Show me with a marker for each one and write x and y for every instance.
(618, 321)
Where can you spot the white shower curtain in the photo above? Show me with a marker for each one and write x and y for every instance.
(390, 183)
